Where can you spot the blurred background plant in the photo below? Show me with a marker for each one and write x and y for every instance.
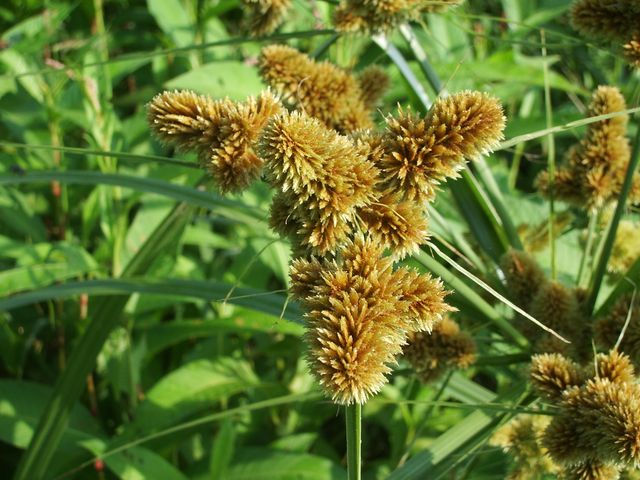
(145, 328)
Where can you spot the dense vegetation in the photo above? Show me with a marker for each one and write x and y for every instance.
(165, 278)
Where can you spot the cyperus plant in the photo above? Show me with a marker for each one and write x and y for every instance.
(352, 201)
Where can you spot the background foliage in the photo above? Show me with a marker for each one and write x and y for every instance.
(106, 235)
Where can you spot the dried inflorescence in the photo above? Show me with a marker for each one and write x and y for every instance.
(521, 439)
(334, 179)
(223, 133)
(359, 313)
(597, 428)
(523, 276)
(320, 89)
(383, 15)
(322, 177)
(609, 327)
(595, 169)
(614, 21)
(420, 153)
(626, 247)
(433, 353)
(265, 16)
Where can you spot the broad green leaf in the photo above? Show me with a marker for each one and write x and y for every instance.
(264, 464)
(192, 388)
(173, 19)
(227, 78)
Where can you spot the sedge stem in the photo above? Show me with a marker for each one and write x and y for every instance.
(354, 441)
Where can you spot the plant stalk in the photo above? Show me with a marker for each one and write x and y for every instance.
(354, 441)
(593, 221)
(605, 253)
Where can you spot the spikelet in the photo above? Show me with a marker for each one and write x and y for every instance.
(432, 354)
(221, 132)
(590, 470)
(383, 15)
(552, 374)
(595, 169)
(358, 318)
(374, 82)
(626, 247)
(632, 50)
(320, 89)
(265, 16)
(599, 419)
(399, 225)
(608, 328)
(615, 367)
(606, 19)
(556, 306)
(521, 439)
(421, 153)
(523, 276)
(325, 178)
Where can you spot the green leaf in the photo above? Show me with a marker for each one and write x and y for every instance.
(229, 78)
(265, 464)
(173, 19)
(53, 421)
(266, 302)
(192, 388)
(222, 451)
(228, 208)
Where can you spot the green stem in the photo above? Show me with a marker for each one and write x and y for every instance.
(551, 157)
(354, 441)
(593, 221)
(598, 274)
(423, 60)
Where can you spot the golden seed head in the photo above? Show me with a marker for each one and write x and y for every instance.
(615, 367)
(632, 50)
(320, 89)
(608, 328)
(590, 470)
(383, 15)
(595, 168)
(359, 315)
(552, 374)
(374, 82)
(265, 16)
(611, 20)
(399, 225)
(325, 177)
(626, 247)
(420, 153)
(221, 132)
(523, 276)
(446, 346)
(521, 439)
(556, 306)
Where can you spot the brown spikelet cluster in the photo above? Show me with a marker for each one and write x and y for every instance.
(321, 176)
(223, 133)
(609, 327)
(626, 247)
(614, 21)
(552, 303)
(420, 153)
(521, 439)
(597, 430)
(265, 16)
(322, 90)
(383, 15)
(359, 312)
(535, 238)
(433, 353)
(352, 201)
(595, 169)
